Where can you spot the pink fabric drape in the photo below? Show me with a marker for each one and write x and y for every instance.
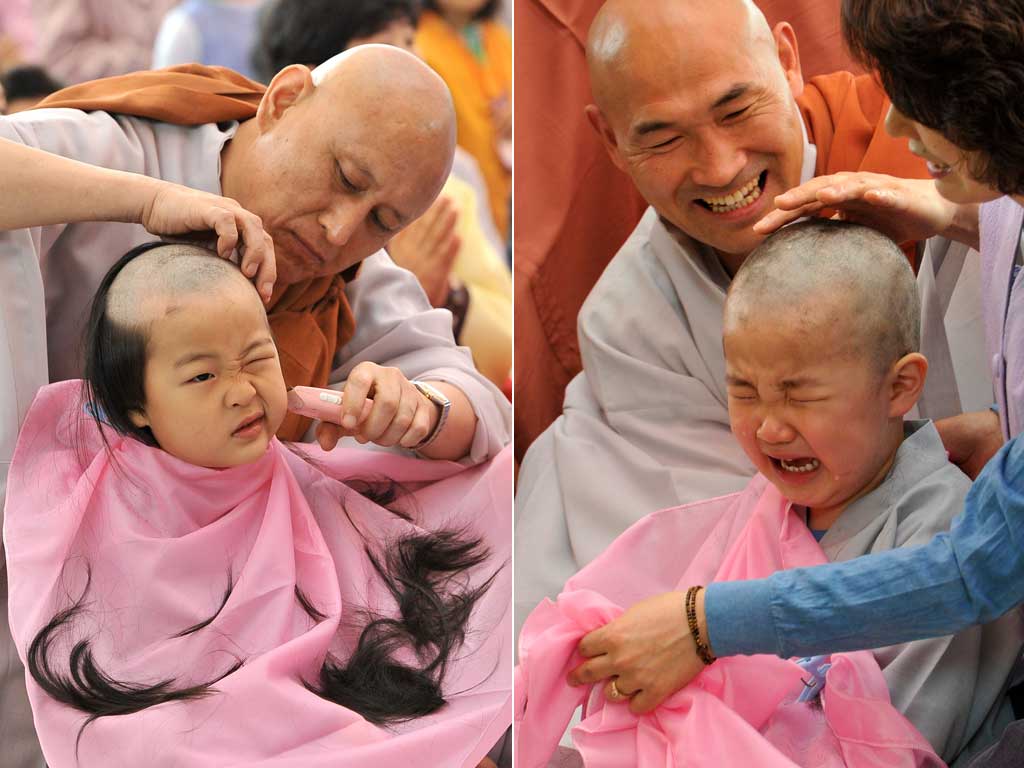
(740, 711)
(162, 539)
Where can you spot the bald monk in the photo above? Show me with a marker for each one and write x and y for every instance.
(578, 208)
(709, 115)
(334, 162)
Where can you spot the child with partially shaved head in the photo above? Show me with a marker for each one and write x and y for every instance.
(821, 335)
(175, 569)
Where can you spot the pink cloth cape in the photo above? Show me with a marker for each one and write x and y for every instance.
(162, 538)
(740, 711)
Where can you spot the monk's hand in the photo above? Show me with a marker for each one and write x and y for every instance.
(971, 439)
(174, 210)
(648, 651)
(428, 247)
(903, 209)
(397, 415)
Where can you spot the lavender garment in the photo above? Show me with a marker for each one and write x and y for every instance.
(1003, 306)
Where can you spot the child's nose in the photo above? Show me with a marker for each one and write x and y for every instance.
(241, 392)
(775, 431)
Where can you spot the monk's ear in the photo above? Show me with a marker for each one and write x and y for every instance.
(789, 56)
(906, 382)
(139, 419)
(291, 84)
(606, 133)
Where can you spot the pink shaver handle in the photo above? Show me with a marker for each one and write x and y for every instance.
(322, 404)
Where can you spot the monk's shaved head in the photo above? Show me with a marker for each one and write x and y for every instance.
(414, 97)
(149, 285)
(338, 160)
(822, 275)
(631, 38)
(696, 101)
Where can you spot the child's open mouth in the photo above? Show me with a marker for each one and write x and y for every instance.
(795, 469)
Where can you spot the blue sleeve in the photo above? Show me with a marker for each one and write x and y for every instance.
(971, 575)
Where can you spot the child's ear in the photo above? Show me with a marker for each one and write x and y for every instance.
(906, 383)
(139, 419)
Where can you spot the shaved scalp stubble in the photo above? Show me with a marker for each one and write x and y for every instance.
(832, 274)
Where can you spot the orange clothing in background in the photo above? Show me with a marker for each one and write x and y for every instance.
(475, 85)
(574, 209)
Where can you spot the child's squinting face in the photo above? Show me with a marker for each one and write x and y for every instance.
(818, 424)
(215, 394)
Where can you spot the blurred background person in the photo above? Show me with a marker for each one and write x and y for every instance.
(472, 51)
(17, 33)
(25, 86)
(453, 249)
(79, 40)
(215, 32)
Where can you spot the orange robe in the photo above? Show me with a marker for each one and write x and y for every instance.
(475, 84)
(573, 208)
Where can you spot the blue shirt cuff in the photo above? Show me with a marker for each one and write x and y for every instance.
(739, 617)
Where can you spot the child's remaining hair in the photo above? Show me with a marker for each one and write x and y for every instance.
(426, 573)
(814, 260)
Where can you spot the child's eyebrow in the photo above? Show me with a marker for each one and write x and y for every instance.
(736, 381)
(211, 356)
(797, 383)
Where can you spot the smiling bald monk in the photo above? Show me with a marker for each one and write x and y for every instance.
(709, 115)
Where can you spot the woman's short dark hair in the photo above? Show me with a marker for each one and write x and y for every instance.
(312, 31)
(489, 9)
(956, 67)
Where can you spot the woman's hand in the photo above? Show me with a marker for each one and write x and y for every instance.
(398, 414)
(176, 210)
(648, 651)
(904, 209)
(971, 439)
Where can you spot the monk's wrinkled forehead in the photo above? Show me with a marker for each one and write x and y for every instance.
(407, 111)
(154, 282)
(390, 80)
(634, 44)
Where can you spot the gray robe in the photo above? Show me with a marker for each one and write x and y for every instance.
(952, 688)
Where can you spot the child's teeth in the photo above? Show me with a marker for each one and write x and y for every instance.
(810, 466)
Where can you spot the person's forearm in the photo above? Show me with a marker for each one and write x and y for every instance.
(456, 437)
(971, 575)
(964, 227)
(39, 188)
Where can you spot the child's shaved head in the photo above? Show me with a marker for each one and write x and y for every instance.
(823, 273)
(164, 273)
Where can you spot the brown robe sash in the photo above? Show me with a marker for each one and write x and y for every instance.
(310, 320)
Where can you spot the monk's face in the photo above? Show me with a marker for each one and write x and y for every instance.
(215, 395)
(948, 164)
(340, 171)
(811, 412)
(699, 109)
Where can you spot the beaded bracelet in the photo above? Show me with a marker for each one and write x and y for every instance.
(691, 619)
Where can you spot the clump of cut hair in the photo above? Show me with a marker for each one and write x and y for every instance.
(856, 273)
(956, 67)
